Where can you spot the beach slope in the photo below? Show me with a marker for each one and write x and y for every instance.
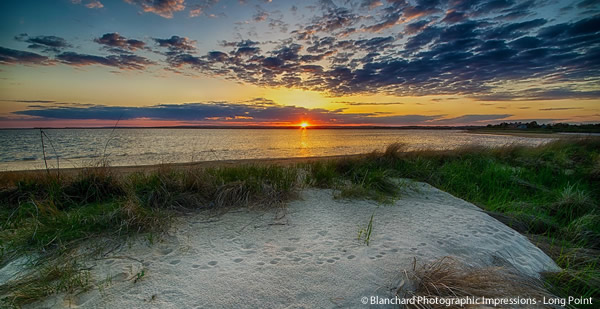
(304, 256)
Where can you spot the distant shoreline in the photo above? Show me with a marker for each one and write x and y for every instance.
(519, 133)
(535, 134)
(294, 127)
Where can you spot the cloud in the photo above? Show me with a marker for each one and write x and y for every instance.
(94, 4)
(117, 40)
(164, 8)
(177, 44)
(588, 4)
(125, 62)
(201, 7)
(331, 21)
(12, 56)
(260, 16)
(467, 57)
(389, 21)
(471, 119)
(371, 4)
(46, 43)
(90, 4)
(458, 47)
(537, 94)
(30, 101)
(369, 103)
(256, 110)
(559, 108)
(454, 17)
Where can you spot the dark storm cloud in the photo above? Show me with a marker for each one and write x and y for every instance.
(117, 40)
(12, 56)
(164, 8)
(126, 62)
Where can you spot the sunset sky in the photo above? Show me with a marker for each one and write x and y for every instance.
(74, 63)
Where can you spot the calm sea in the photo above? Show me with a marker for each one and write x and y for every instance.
(22, 149)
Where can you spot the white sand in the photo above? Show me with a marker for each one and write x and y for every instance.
(305, 257)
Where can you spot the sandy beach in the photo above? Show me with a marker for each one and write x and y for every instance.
(304, 256)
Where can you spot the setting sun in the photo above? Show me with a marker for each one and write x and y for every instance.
(304, 125)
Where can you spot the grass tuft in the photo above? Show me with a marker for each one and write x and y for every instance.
(448, 277)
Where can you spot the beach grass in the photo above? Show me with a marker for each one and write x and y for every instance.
(549, 193)
(449, 278)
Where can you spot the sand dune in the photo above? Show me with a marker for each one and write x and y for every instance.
(306, 256)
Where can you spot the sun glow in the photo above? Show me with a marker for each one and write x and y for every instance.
(304, 125)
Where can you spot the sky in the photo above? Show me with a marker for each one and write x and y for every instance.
(89, 63)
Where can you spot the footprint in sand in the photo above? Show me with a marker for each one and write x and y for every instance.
(213, 263)
(275, 261)
(331, 261)
(165, 251)
(238, 260)
(350, 257)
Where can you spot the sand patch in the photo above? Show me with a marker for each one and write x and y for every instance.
(306, 256)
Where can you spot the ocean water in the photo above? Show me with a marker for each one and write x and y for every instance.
(22, 149)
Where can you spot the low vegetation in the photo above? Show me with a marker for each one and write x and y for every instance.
(46, 217)
(549, 193)
(448, 278)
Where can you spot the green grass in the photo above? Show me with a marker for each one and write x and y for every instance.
(364, 234)
(48, 217)
(550, 193)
